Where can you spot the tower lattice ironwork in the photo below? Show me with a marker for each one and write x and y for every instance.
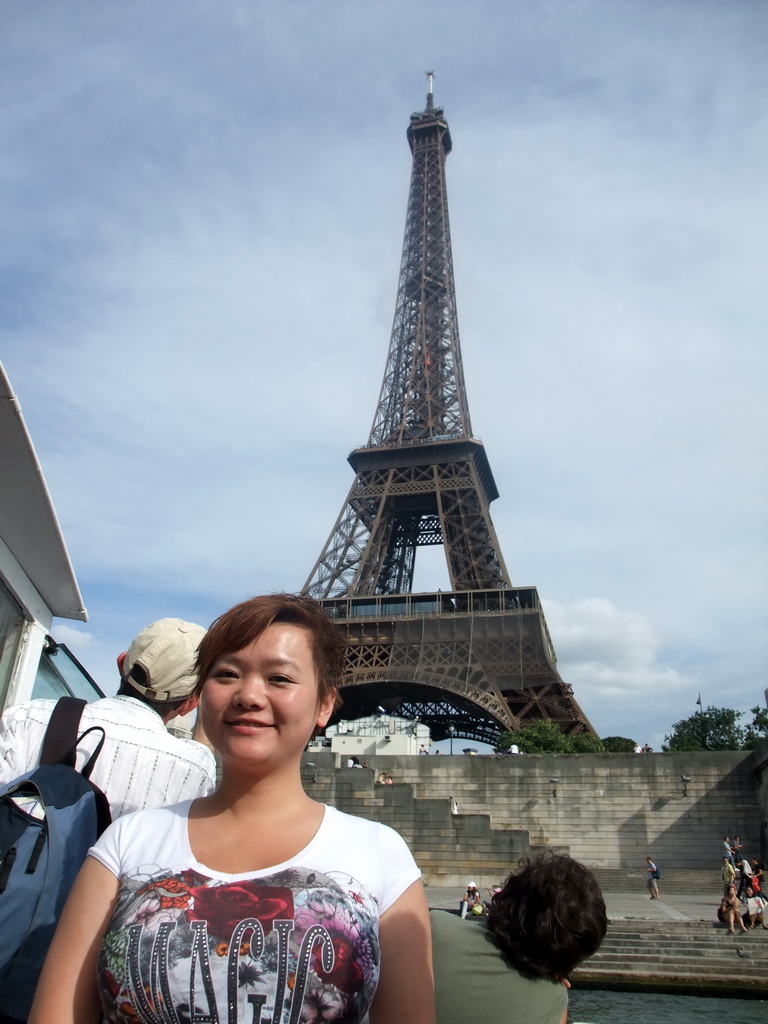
(478, 658)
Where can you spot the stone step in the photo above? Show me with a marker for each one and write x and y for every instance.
(685, 955)
(726, 981)
(667, 929)
(692, 951)
(698, 936)
(721, 939)
(708, 954)
(703, 936)
(723, 981)
(701, 931)
(694, 963)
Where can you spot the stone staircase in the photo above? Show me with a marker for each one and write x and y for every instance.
(448, 848)
(681, 956)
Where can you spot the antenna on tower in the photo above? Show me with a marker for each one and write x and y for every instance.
(430, 75)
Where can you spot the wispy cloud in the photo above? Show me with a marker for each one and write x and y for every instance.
(615, 661)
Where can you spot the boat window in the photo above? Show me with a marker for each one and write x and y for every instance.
(11, 626)
(60, 674)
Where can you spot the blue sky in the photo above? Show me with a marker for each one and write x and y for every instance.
(203, 206)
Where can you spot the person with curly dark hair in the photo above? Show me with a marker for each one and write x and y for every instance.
(513, 965)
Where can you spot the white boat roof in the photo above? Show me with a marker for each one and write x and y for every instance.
(28, 522)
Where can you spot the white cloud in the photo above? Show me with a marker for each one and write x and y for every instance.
(622, 675)
(75, 639)
(613, 660)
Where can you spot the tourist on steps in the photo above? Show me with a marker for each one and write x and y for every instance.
(728, 874)
(755, 905)
(757, 875)
(745, 876)
(736, 847)
(727, 849)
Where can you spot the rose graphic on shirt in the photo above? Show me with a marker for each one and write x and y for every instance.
(225, 906)
(349, 932)
(346, 973)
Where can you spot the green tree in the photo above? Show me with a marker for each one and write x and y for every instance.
(757, 730)
(586, 743)
(618, 744)
(542, 737)
(713, 729)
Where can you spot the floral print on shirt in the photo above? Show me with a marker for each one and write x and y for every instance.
(295, 947)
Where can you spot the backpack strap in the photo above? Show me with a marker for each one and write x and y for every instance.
(60, 740)
(103, 812)
(60, 747)
(88, 766)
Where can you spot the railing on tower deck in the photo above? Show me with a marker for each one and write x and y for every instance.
(502, 602)
(412, 442)
(444, 602)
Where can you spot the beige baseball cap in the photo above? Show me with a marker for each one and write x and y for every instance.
(166, 651)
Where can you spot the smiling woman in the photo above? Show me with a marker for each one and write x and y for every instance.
(260, 705)
(256, 900)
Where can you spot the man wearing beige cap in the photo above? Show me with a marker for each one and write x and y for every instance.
(141, 764)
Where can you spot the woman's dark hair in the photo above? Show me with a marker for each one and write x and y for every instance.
(549, 916)
(244, 623)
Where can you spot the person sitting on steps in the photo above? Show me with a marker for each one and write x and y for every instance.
(755, 905)
(729, 910)
(471, 900)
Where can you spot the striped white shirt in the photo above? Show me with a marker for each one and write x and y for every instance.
(141, 765)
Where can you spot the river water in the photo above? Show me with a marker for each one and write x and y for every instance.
(588, 1006)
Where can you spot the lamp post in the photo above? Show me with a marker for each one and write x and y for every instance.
(451, 733)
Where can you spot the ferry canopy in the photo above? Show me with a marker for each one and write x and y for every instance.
(28, 524)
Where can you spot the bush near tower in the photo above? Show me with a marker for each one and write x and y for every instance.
(717, 729)
(713, 729)
(545, 737)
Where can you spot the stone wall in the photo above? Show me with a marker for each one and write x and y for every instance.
(609, 810)
(760, 767)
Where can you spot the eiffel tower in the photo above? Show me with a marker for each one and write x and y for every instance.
(478, 659)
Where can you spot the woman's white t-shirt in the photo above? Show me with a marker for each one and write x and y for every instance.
(291, 943)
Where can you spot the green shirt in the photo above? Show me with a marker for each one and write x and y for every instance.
(473, 981)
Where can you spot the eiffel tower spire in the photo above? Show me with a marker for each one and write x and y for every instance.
(479, 658)
(423, 393)
(422, 479)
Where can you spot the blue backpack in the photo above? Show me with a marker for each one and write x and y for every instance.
(49, 818)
